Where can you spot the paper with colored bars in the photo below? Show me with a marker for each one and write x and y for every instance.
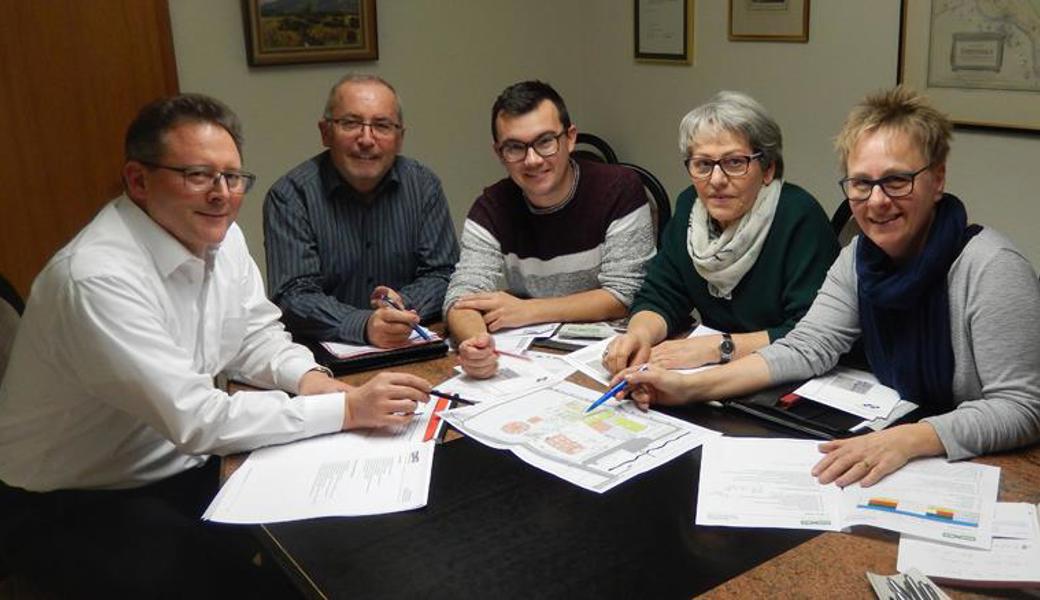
(758, 482)
(343, 474)
(549, 429)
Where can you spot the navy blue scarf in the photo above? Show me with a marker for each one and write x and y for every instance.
(904, 311)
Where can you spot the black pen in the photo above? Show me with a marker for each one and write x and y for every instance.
(454, 397)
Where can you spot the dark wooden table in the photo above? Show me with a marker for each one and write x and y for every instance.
(496, 527)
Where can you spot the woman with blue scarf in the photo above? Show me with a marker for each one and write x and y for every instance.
(947, 311)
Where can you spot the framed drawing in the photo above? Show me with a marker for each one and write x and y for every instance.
(282, 32)
(978, 65)
(769, 20)
(664, 31)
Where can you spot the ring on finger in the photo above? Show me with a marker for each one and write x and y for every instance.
(866, 463)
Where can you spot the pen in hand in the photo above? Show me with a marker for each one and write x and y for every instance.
(390, 302)
(607, 395)
(454, 397)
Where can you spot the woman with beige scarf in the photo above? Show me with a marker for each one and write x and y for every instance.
(746, 250)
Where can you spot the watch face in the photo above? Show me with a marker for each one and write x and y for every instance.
(727, 346)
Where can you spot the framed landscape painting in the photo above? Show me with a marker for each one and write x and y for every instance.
(282, 32)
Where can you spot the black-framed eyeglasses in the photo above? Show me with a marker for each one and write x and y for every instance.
(383, 128)
(734, 165)
(897, 185)
(545, 146)
(204, 179)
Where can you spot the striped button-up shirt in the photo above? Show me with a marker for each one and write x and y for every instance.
(327, 249)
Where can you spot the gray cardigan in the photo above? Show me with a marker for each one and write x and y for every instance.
(994, 329)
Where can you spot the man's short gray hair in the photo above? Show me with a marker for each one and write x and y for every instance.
(361, 78)
(737, 113)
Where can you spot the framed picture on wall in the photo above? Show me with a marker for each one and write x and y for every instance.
(769, 20)
(979, 66)
(664, 31)
(280, 32)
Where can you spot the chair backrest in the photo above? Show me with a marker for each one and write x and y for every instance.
(844, 226)
(660, 205)
(595, 148)
(11, 307)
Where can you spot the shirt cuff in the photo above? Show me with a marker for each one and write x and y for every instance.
(352, 329)
(323, 413)
(288, 375)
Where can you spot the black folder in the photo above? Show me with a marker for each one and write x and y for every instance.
(377, 360)
(805, 415)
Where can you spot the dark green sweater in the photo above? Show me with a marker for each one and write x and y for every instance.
(773, 295)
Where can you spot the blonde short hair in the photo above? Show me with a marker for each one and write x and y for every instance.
(901, 109)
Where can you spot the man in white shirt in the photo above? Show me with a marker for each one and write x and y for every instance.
(108, 409)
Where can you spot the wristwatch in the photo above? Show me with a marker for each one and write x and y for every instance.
(726, 349)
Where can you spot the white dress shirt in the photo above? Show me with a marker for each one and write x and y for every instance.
(111, 379)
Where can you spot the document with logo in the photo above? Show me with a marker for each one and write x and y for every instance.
(1013, 561)
(343, 474)
(767, 482)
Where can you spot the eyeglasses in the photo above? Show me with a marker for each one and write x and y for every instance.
(351, 126)
(735, 165)
(897, 185)
(545, 146)
(204, 179)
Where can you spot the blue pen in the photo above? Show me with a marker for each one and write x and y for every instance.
(607, 395)
(390, 302)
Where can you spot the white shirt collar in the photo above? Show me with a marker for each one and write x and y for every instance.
(167, 252)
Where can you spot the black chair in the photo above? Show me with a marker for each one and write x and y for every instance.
(10, 295)
(11, 307)
(594, 148)
(660, 205)
(843, 225)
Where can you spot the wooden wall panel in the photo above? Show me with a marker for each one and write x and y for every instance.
(73, 73)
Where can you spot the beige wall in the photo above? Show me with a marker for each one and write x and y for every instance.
(450, 59)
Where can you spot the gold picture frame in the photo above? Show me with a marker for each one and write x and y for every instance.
(980, 77)
(664, 31)
(769, 21)
(280, 32)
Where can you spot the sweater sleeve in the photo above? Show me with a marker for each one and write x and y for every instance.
(481, 266)
(811, 249)
(827, 331)
(1003, 300)
(664, 290)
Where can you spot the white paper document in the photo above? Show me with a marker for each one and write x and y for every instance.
(1014, 559)
(340, 350)
(853, 391)
(515, 377)
(589, 360)
(767, 482)
(549, 429)
(343, 474)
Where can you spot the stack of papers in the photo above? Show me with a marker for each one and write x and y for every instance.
(550, 429)
(858, 393)
(343, 474)
(1013, 560)
(754, 482)
(344, 351)
(519, 339)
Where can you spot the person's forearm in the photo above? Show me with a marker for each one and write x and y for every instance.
(464, 323)
(746, 343)
(648, 326)
(738, 378)
(593, 305)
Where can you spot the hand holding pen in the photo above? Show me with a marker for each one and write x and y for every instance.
(613, 391)
(389, 326)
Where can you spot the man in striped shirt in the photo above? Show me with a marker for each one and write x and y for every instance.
(558, 240)
(359, 240)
